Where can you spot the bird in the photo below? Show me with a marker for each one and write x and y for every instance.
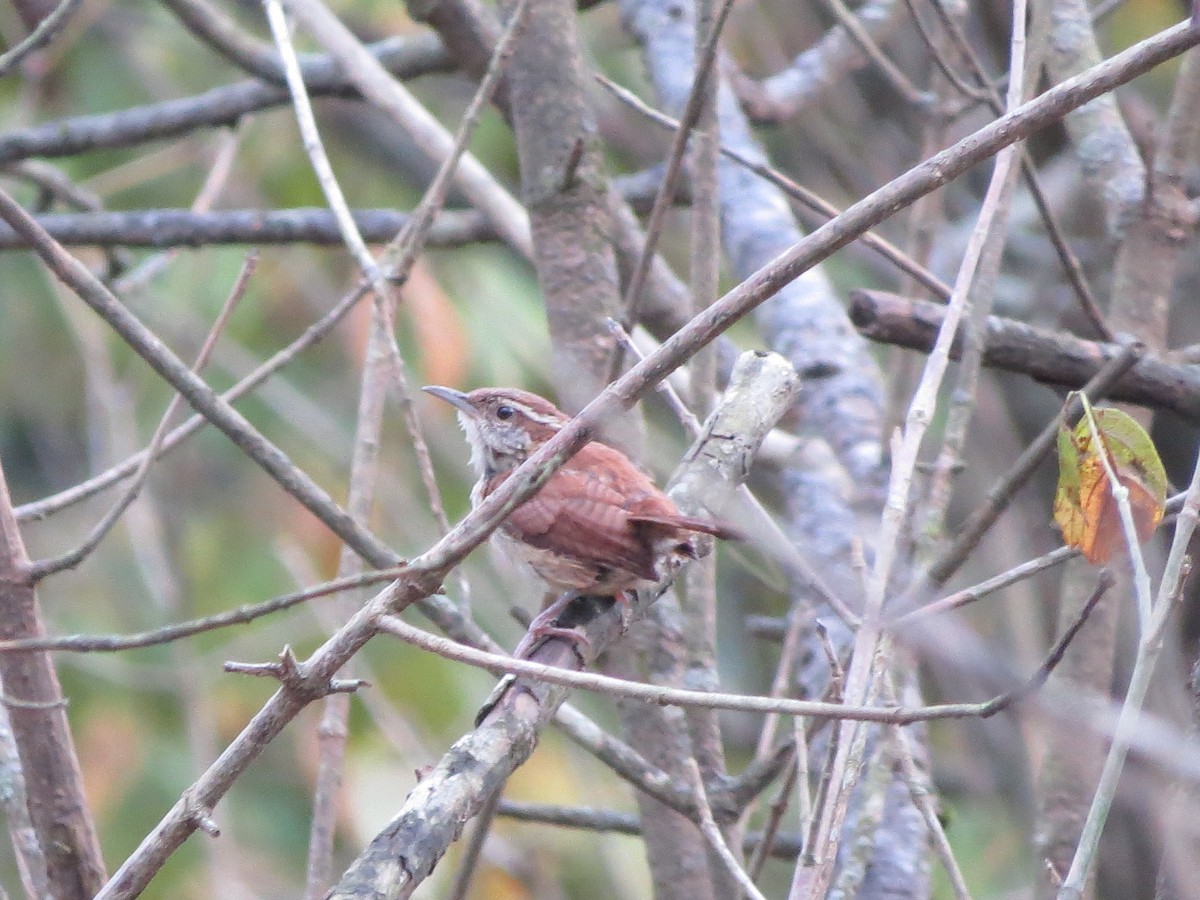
(599, 525)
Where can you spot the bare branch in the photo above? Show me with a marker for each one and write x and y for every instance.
(1150, 644)
(115, 643)
(797, 192)
(1052, 357)
(197, 393)
(698, 96)
(405, 57)
(785, 846)
(162, 228)
(58, 809)
(46, 31)
(716, 840)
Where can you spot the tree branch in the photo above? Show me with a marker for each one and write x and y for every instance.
(1051, 357)
(404, 57)
(162, 228)
(53, 784)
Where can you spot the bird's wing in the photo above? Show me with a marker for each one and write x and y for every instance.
(585, 519)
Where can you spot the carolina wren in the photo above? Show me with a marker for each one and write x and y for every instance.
(598, 525)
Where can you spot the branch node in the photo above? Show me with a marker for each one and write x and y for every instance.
(200, 814)
(347, 685)
(286, 671)
(292, 677)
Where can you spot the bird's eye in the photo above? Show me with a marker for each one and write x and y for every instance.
(505, 412)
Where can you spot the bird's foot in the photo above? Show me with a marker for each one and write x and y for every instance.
(545, 624)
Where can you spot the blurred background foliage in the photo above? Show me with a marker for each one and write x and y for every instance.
(212, 532)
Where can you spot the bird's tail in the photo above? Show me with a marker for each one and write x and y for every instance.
(716, 528)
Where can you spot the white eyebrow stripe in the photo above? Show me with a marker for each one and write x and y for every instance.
(540, 418)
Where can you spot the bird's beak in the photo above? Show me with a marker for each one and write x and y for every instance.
(457, 399)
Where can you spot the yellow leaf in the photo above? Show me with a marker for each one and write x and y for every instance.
(1084, 506)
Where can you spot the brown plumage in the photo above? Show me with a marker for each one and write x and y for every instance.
(599, 525)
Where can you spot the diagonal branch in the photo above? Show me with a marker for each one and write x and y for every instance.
(45, 32)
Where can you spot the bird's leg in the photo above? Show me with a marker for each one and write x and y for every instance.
(625, 601)
(544, 625)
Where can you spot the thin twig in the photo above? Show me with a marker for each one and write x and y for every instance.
(69, 560)
(712, 834)
(249, 439)
(969, 595)
(653, 693)
(631, 303)
(981, 286)
(1054, 657)
(214, 183)
(784, 670)
(934, 46)
(804, 793)
(797, 192)
(921, 793)
(47, 506)
(1133, 543)
(699, 613)
(391, 97)
(45, 32)
(408, 244)
(383, 345)
(471, 853)
(775, 814)
(115, 643)
(819, 71)
(890, 71)
(315, 150)
(870, 639)
(1069, 260)
(369, 423)
(786, 845)
(1149, 647)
